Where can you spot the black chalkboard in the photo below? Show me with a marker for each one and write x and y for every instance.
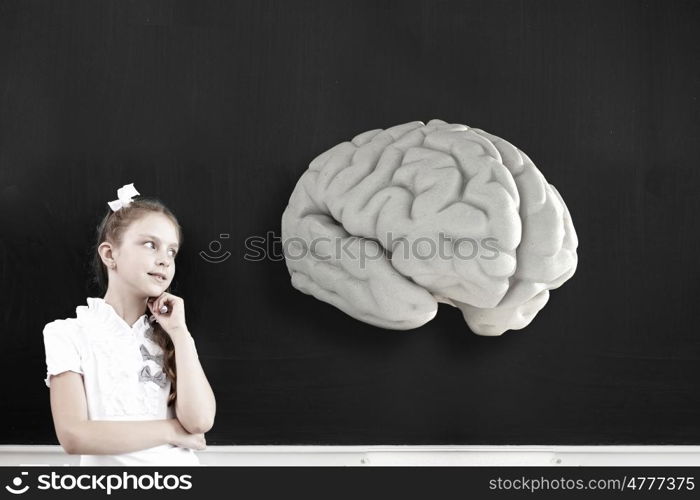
(217, 108)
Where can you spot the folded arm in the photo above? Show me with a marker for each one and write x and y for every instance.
(80, 436)
(195, 405)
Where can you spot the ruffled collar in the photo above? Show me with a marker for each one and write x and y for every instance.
(100, 315)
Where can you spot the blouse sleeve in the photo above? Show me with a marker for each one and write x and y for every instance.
(62, 353)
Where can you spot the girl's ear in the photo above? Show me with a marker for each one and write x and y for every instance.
(106, 253)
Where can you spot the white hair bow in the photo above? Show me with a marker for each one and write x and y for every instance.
(124, 195)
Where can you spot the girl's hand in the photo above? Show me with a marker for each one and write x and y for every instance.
(174, 319)
(180, 437)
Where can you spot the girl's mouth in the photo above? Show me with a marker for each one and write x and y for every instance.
(159, 278)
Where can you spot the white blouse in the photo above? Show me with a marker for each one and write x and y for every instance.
(122, 369)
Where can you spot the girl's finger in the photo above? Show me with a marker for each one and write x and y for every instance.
(152, 303)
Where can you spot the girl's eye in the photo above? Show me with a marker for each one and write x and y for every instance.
(174, 252)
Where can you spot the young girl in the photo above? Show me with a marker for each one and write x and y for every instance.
(116, 397)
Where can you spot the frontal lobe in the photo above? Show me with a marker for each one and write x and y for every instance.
(378, 227)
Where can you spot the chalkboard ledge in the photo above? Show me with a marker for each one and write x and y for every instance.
(676, 456)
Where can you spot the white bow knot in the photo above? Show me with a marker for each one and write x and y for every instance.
(124, 195)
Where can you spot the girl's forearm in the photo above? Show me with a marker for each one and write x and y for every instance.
(195, 405)
(113, 437)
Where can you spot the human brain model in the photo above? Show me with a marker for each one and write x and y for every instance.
(394, 221)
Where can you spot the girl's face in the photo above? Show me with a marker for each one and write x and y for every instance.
(149, 247)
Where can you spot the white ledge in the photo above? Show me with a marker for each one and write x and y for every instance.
(52, 455)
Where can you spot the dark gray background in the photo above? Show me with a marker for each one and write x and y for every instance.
(218, 107)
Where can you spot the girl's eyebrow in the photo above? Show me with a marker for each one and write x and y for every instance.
(157, 239)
